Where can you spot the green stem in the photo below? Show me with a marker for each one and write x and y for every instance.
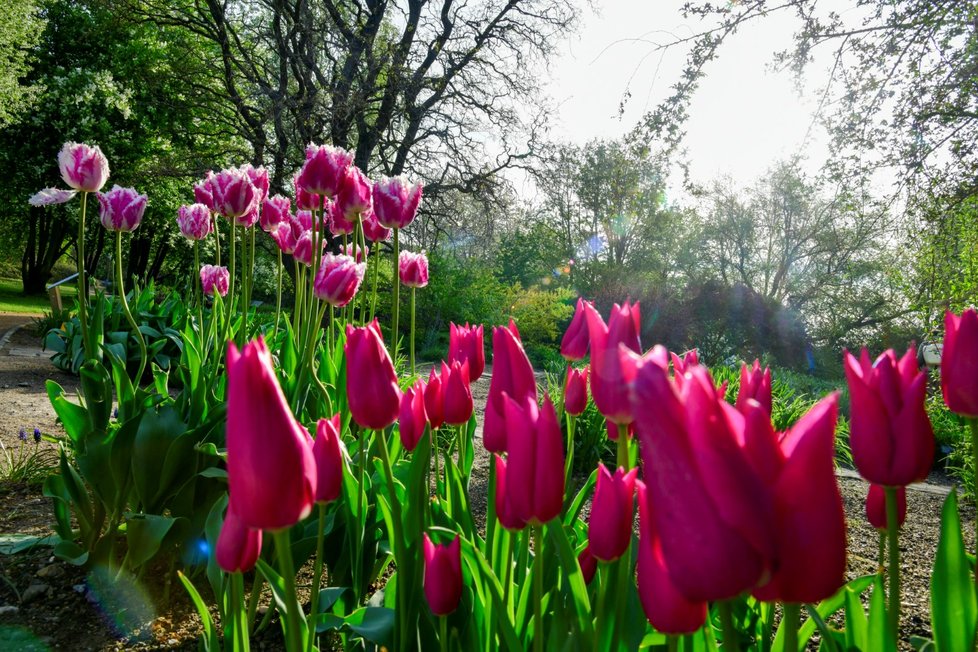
(623, 446)
(893, 531)
(881, 564)
(730, 641)
(569, 458)
(791, 612)
(82, 281)
(230, 307)
(317, 574)
(254, 598)
(397, 291)
(538, 588)
(125, 306)
(217, 238)
(401, 632)
(361, 495)
(672, 643)
(278, 296)
(508, 569)
(413, 291)
(373, 294)
(973, 424)
(293, 619)
(443, 633)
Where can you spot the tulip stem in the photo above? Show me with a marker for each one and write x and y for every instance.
(508, 569)
(217, 238)
(603, 574)
(278, 296)
(317, 574)
(569, 458)
(293, 633)
(397, 290)
(789, 620)
(413, 292)
(727, 626)
(623, 446)
(121, 289)
(538, 588)
(230, 307)
(973, 425)
(443, 635)
(399, 551)
(881, 564)
(672, 643)
(373, 294)
(82, 282)
(892, 531)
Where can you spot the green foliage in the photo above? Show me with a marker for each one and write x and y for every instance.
(538, 312)
(28, 462)
(20, 30)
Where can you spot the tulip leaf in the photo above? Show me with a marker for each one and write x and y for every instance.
(73, 417)
(880, 638)
(953, 605)
(277, 586)
(571, 571)
(480, 569)
(824, 609)
(574, 510)
(857, 626)
(151, 468)
(209, 640)
(147, 533)
(374, 624)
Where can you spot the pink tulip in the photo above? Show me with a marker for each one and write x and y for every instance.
(681, 363)
(442, 575)
(324, 170)
(328, 453)
(51, 196)
(284, 237)
(303, 248)
(214, 279)
(512, 375)
(890, 434)
(413, 418)
(355, 195)
(505, 511)
(612, 429)
(456, 393)
(305, 201)
(588, 563)
(396, 201)
(83, 167)
(666, 608)
(876, 506)
(756, 384)
(338, 279)
(356, 251)
(203, 193)
(259, 179)
(535, 486)
(465, 344)
(338, 222)
(575, 391)
(275, 211)
(574, 344)
(372, 229)
(234, 194)
(371, 384)
(434, 401)
(610, 526)
(121, 209)
(609, 378)
(271, 468)
(304, 220)
(194, 221)
(238, 546)
(413, 269)
(959, 362)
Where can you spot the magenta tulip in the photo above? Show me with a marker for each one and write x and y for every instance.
(575, 391)
(284, 237)
(303, 222)
(271, 468)
(588, 563)
(512, 375)
(466, 344)
(214, 279)
(372, 228)
(434, 400)
(303, 248)
(412, 269)
(535, 486)
(396, 201)
(876, 506)
(755, 383)
(442, 575)
(51, 196)
(194, 221)
(355, 194)
(203, 193)
(412, 418)
(959, 362)
(324, 170)
(259, 179)
(609, 378)
(305, 201)
(610, 526)
(456, 393)
(338, 222)
(890, 434)
(275, 211)
(234, 194)
(338, 279)
(356, 251)
(505, 511)
(681, 363)
(371, 384)
(328, 453)
(121, 209)
(83, 167)
(238, 546)
(576, 340)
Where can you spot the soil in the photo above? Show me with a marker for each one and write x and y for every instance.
(48, 604)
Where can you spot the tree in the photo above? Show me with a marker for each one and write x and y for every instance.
(20, 30)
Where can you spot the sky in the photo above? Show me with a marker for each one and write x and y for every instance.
(744, 117)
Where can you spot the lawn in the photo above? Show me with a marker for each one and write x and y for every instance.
(13, 300)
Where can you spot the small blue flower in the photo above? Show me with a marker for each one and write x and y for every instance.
(115, 413)
(37, 435)
(22, 435)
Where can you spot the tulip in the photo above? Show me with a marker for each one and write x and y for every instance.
(234, 194)
(284, 237)
(83, 167)
(259, 179)
(434, 403)
(456, 393)
(356, 251)
(610, 527)
(413, 417)
(270, 464)
(755, 384)
(51, 196)
(371, 384)
(666, 608)
(215, 279)
(465, 344)
(713, 512)
(303, 222)
(574, 344)
(876, 506)
(413, 269)
(305, 201)
(355, 194)
(338, 279)
(396, 201)
(512, 375)
(612, 429)
(238, 546)
(959, 363)
(681, 363)
(338, 222)
(535, 486)
(121, 209)
(194, 221)
(328, 453)
(303, 248)
(324, 171)
(891, 437)
(575, 391)
(372, 229)
(609, 381)
(505, 511)
(588, 563)
(203, 193)
(275, 211)
(442, 575)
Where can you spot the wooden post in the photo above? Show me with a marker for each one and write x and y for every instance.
(55, 295)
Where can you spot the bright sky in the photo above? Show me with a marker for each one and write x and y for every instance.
(744, 116)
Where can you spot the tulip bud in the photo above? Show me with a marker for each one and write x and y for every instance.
(271, 468)
(512, 375)
(610, 526)
(536, 460)
(755, 384)
(303, 248)
(575, 391)
(303, 219)
(338, 222)
(609, 384)
(83, 167)
(371, 384)
(372, 229)
(465, 344)
(413, 269)
(434, 400)
(574, 344)
(234, 194)
(876, 506)
(324, 170)
(687, 360)
(194, 221)
(442, 575)
(891, 437)
(214, 279)
(305, 201)
(505, 511)
(121, 209)
(456, 393)
(284, 237)
(238, 546)
(959, 363)
(588, 563)
(275, 210)
(328, 452)
(355, 195)
(413, 419)
(396, 201)
(356, 252)
(338, 279)
(203, 193)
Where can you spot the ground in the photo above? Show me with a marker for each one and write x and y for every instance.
(46, 603)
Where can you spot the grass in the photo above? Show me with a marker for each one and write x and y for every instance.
(13, 300)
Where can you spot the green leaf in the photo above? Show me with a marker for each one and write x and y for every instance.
(147, 533)
(879, 638)
(11, 544)
(952, 590)
(375, 624)
(73, 417)
(209, 639)
(157, 433)
(857, 626)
